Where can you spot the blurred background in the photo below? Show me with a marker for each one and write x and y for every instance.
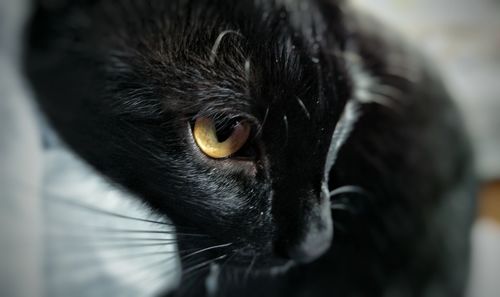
(463, 39)
(461, 36)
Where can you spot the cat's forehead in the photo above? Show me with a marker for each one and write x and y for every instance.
(243, 58)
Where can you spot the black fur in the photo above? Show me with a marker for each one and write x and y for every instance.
(122, 80)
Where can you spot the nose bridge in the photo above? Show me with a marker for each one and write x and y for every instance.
(302, 213)
(300, 206)
(317, 233)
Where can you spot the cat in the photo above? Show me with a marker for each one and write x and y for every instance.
(298, 147)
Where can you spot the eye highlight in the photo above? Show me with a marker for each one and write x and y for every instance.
(208, 138)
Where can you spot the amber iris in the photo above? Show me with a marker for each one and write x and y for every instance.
(206, 136)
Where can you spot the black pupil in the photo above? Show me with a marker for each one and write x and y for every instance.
(224, 129)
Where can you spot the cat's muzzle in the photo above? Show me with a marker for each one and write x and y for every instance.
(317, 237)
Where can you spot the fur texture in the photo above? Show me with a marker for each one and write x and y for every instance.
(122, 82)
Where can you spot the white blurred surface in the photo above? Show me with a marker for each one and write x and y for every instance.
(20, 165)
(485, 273)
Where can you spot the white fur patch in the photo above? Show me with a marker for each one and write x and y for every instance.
(95, 253)
(340, 135)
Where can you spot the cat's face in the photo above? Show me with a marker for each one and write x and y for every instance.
(142, 80)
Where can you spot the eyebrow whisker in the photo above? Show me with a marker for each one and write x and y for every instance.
(218, 42)
(266, 115)
(285, 121)
(348, 190)
(303, 106)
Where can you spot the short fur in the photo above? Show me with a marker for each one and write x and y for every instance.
(122, 80)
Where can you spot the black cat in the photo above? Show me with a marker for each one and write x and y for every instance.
(266, 126)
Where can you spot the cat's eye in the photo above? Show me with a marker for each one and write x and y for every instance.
(220, 141)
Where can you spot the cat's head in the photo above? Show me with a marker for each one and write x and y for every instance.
(219, 116)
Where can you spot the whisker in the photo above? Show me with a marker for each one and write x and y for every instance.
(147, 268)
(348, 190)
(340, 207)
(105, 212)
(192, 282)
(304, 108)
(224, 266)
(200, 266)
(227, 261)
(285, 121)
(249, 269)
(132, 231)
(266, 115)
(218, 42)
(158, 278)
(345, 202)
(89, 231)
(116, 258)
(112, 230)
(400, 73)
(117, 247)
(194, 268)
(343, 207)
(140, 275)
(88, 248)
(206, 249)
(110, 239)
(388, 91)
(92, 268)
(381, 100)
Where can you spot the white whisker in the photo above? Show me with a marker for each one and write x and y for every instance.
(206, 249)
(304, 108)
(218, 42)
(194, 268)
(249, 269)
(261, 126)
(347, 190)
(285, 121)
(103, 211)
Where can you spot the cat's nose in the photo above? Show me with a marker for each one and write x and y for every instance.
(317, 239)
